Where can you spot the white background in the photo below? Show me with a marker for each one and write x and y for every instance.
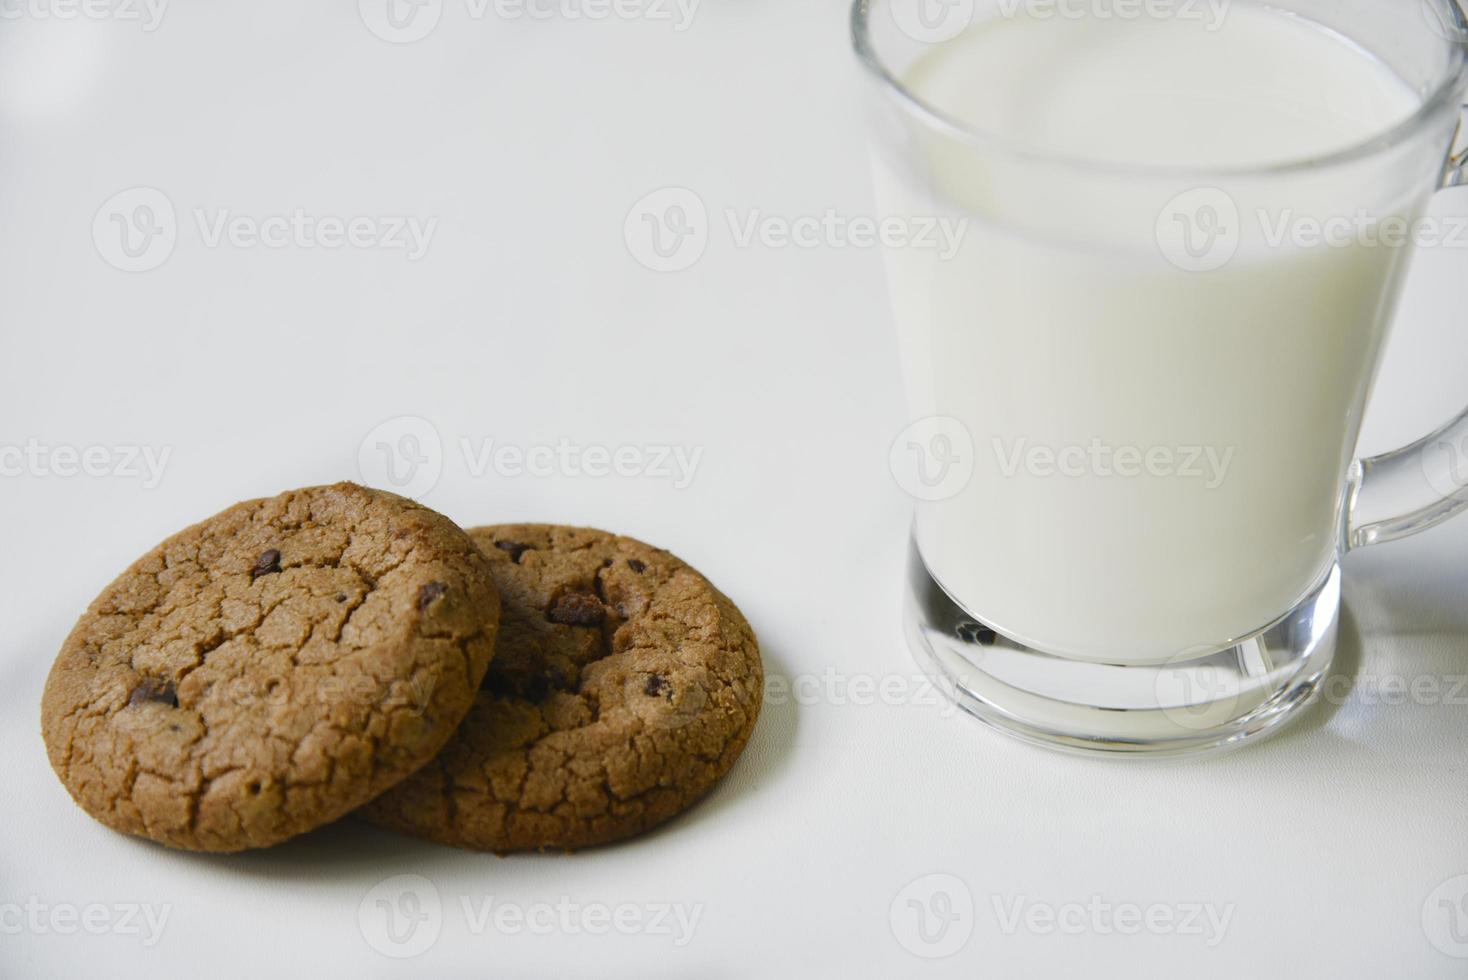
(529, 321)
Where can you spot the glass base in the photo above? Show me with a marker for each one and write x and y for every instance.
(1190, 704)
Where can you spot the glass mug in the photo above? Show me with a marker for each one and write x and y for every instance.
(1135, 404)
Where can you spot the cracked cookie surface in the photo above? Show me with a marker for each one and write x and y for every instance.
(624, 685)
(270, 669)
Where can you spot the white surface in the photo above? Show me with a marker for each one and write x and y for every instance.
(529, 321)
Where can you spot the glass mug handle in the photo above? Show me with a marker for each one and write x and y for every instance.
(1422, 484)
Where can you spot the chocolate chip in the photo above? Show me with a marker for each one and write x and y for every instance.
(577, 609)
(636, 565)
(514, 549)
(267, 564)
(341, 597)
(152, 690)
(656, 685)
(430, 592)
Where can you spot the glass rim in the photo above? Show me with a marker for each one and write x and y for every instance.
(1446, 93)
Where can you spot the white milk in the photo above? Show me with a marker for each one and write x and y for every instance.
(1158, 454)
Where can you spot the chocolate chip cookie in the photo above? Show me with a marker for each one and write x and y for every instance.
(271, 669)
(623, 686)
